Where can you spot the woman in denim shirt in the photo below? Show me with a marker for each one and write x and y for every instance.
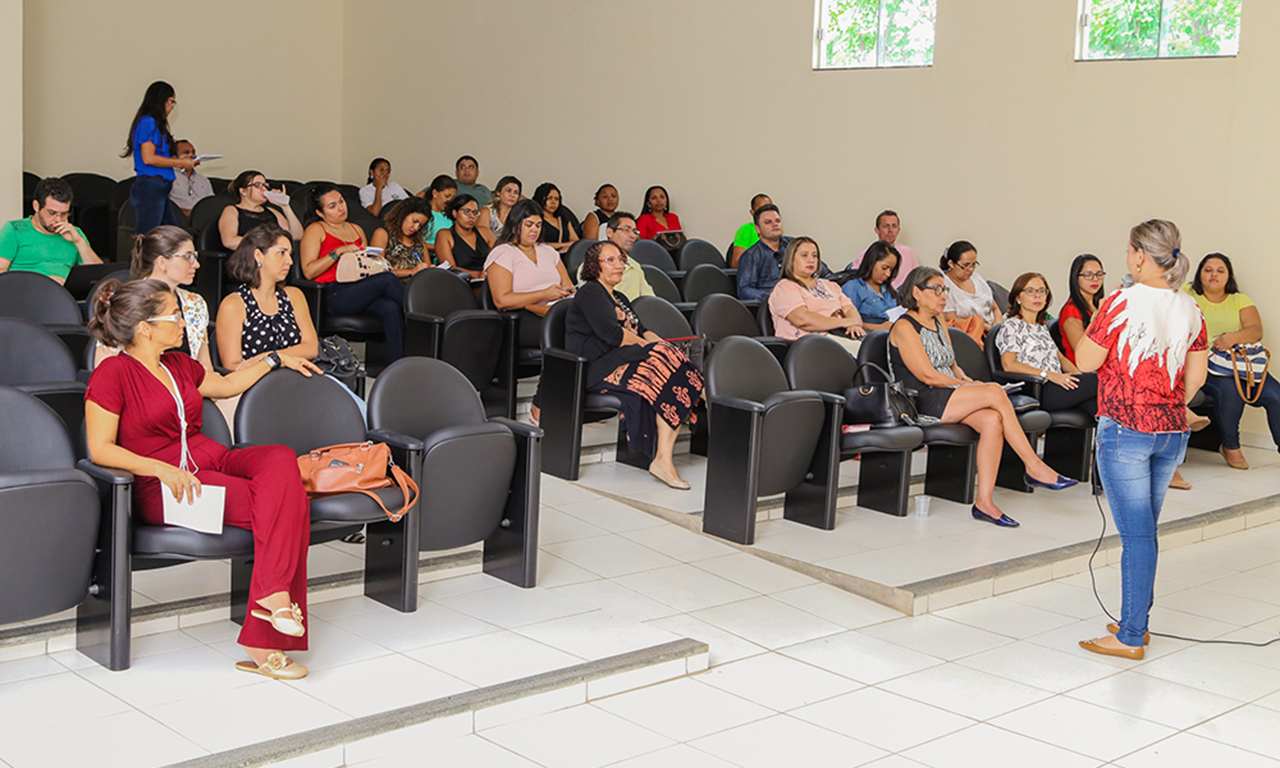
(871, 289)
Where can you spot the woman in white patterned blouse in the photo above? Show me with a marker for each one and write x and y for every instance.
(1026, 347)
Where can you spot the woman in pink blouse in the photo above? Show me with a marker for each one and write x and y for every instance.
(803, 303)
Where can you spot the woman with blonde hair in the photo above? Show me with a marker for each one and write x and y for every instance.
(803, 303)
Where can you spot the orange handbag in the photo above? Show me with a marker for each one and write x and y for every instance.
(356, 468)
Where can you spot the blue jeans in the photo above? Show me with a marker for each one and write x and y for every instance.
(1136, 468)
(381, 296)
(1228, 407)
(150, 198)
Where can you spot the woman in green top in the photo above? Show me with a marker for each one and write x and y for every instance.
(1231, 318)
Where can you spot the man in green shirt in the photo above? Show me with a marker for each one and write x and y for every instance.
(467, 171)
(747, 236)
(46, 243)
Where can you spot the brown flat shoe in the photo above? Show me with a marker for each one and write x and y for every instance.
(1125, 653)
(277, 667)
(1240, 464)
(1114, 629)
(1196, 422)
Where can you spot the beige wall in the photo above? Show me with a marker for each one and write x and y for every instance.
(10, 107)
(260, 82)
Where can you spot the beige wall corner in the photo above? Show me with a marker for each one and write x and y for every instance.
(10, 108)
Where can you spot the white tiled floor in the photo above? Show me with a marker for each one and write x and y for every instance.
(802, 673)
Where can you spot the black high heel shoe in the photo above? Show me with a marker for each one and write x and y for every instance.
(1004, 520)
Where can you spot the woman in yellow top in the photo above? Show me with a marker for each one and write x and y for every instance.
(1231, 318)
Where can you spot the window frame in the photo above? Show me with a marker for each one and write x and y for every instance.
(1083, 38)
(818, 63)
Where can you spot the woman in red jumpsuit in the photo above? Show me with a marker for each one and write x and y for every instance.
(133, 422)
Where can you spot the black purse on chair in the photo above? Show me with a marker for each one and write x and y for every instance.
(880, 404)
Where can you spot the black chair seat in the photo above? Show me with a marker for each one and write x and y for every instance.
(1035, 421)
(888, 439)
(1072, 418)
(596, 401)
(173, 543)
(950, 434)
(355, 507)
(528, 355)
(354, 324)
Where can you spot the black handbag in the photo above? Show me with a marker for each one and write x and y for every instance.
(880, 403)
(338, 360)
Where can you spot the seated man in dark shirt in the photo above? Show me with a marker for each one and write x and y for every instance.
(760, 267)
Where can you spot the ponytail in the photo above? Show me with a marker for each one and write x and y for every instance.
(119, 308)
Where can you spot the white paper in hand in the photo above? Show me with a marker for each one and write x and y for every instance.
(204, 514)
(207, 158)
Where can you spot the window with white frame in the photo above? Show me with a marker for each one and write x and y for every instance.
(874, 33)
(1150, 29)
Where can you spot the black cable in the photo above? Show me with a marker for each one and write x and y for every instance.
(1094, 581)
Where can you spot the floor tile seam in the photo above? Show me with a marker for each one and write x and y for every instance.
(1144, 670)
(326, 737)
(1106, 761)
(596, 703)
(972, 721)
(614, 580)
(862, 686)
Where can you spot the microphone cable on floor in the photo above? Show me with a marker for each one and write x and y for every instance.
(1094, 581)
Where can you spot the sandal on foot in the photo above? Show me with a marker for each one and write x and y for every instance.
(277, 667)
(286, 621)
(353, 538)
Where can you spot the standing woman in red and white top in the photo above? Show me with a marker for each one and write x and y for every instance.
(1149, 346)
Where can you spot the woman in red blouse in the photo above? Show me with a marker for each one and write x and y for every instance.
(1148, 344)
(133, 422)
(656, 215)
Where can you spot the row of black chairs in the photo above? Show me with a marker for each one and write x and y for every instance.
(70, 538)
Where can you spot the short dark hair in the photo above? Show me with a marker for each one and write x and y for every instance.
(53, 187)
(591, 259)
(762, 210)
(1197, 284)
(458, 162)
(543, 191)
(455, 205)
(525, 209)
(916, 278)
(615, 220)
(1020, 285)
(877, 252)
(757, 197)
(176, 142)
(373, 165)
(602, 188)
(242, 265)
(887, 212)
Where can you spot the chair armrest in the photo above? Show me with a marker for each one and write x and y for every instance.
(563, 354)
(1032, 384)
(105, 474)
(394, 439)
(36, 477)
(314, 293)
(786, 396)
(518, 428)
(737, 403)
(423, 317)
(830, 398)
(422, 334)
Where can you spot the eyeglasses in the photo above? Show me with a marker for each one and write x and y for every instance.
(257, 185)
(627, 230)
(190, 256)
(974, 265)
(56, 214)
(1036, 291)
(1093, 275)
(174, 318)
(614, 260)
(940, 290)
(470, 211)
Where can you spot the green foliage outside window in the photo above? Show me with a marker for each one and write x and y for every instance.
(1143, 29)
(875, 33)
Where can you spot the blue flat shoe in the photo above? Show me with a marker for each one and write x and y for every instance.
(1062, 482)
(1004, 520)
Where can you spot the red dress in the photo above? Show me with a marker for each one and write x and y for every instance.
(264, 489)
(649, 226)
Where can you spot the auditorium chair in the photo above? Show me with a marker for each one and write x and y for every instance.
(121, 276)
(1068, 442)
(90, 208)
(34, 297)
(36, 361)
(366, 328)
(306, 413)
(566, 404)
(528, 359)
(444, 320)
(479, 477)
(952, 467)
(719, 316)
(83, 278)
(576, 254)
(818, 363)
(695, 252)
(49, 513)
(663, 288)
(210, 209)
(705, 279)
(765, 439)
(973, 362)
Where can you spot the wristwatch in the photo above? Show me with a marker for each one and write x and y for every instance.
(273, 359)
(1044, 374)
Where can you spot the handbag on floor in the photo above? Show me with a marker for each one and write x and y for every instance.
(356, 468)
(337, 359)
(1248, 363)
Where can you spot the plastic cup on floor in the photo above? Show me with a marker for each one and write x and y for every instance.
(922, 505)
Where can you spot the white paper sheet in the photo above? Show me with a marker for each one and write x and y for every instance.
(204, 514)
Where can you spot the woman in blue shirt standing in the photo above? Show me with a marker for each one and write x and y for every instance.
(151, 145)
(871, 289)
